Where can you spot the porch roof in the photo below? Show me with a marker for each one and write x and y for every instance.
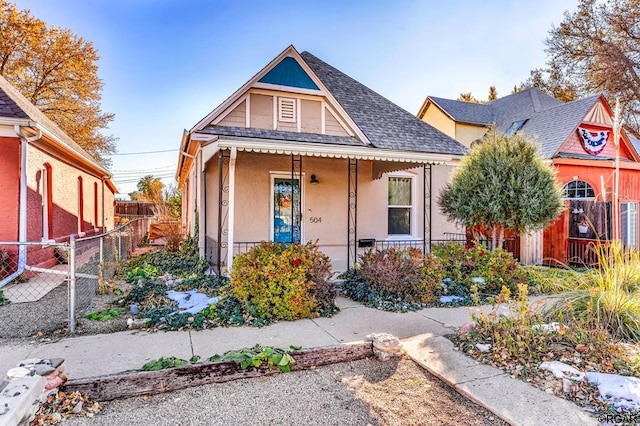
(248, 132)
(214, 143)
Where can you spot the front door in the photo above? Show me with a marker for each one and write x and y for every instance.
(286, 211)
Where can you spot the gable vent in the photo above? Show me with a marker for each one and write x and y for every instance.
(287, 110)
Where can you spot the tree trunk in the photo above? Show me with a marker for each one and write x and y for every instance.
(500, 239)
(494, 236)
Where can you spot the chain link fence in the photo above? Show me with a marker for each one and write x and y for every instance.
(46, 286)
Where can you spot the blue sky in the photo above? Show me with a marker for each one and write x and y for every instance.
(167, 63)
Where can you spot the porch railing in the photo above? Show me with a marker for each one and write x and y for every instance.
(581, 251)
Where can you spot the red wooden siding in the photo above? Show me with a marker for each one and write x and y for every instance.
(573, 144)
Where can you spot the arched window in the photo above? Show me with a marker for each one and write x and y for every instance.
(47, 202)
(578, 189)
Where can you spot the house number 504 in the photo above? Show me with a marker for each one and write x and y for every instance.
(315, 219)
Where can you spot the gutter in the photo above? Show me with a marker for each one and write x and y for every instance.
(22, 220)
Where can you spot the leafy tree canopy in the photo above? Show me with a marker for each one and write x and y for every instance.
(596, 49)
(57, 71)
(503, 184)
(468, 97)
(167, 199)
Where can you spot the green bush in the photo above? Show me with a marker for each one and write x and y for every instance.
(104, 314)
(394, 279)
(402, 274)
(144, 271)
(276, 281)
(183, 263)
(490, 270)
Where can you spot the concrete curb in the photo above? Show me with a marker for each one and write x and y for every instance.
(513, 400)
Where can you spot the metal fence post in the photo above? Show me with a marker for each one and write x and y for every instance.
(72, 284)
(119, 245)
(101, 264)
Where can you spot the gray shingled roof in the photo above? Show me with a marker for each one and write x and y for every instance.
(281, 135)
(385, 124)
(549, 120)
(521, 105)
(467, 112)
(552, 126)
(635, 142)
(17, 106)
(8, 108)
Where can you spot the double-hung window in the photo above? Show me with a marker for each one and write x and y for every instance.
(400, 205)
(629, 224)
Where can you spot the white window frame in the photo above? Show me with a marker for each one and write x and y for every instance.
(294, 110)
(412, 206)
(45, 205)
(629, 233)
(286, 175)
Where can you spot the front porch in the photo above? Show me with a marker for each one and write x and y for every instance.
(343, 203)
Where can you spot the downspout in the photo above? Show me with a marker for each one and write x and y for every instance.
(104, 228)
(22, 219)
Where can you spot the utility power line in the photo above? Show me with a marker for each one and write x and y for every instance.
(144, 152)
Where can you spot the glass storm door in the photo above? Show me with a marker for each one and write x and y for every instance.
(286, 210)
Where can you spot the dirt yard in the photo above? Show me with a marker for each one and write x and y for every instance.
(365, 392)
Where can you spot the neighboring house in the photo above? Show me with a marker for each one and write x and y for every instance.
(578, 138)
(51, 187)
(303, 152)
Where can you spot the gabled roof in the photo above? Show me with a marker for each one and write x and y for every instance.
(552, 126)
(376, 122)
(465, 112)
(548, 120)
(14, 105)
(385, 124)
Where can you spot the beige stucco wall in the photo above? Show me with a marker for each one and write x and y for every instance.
(438, 119)
(441, 174)
(325, 202)
(466, 133)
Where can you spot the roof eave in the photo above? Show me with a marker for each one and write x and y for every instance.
(334, 151)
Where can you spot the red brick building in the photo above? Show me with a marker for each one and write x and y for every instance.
(51, 187)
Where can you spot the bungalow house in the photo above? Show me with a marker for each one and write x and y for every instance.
(303, 152)
(51, 187)
(577, 137)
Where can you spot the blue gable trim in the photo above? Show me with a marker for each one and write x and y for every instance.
(289, 73)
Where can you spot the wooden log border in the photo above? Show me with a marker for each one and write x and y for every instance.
(127, 384)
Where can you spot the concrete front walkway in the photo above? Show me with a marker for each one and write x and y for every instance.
(422, 331)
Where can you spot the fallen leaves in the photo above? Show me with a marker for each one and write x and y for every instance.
(60, 406)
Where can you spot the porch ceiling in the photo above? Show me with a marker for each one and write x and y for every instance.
(381, 167)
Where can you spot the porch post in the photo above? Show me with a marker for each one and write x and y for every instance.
(203, 205)
(223, 204)
(426, 210)
(352, 212)
(232, 205)
(296, 163)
